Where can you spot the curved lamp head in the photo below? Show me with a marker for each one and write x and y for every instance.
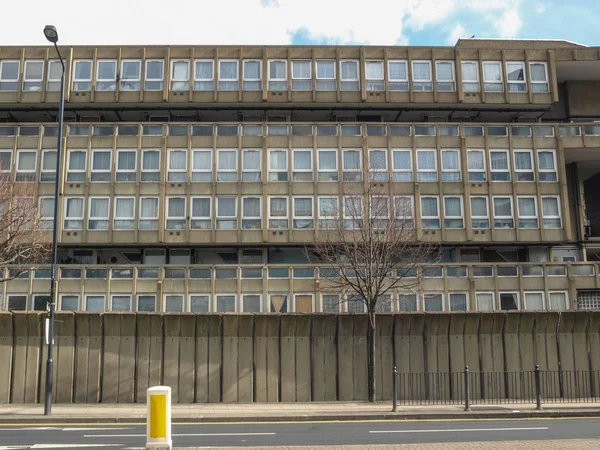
(51, 33)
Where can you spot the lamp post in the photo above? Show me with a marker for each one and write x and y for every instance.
(52, 36)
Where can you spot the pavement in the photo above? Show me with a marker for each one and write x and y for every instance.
(559, 444)
(286, 412)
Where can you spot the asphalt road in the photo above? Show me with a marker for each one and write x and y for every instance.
(123, 436)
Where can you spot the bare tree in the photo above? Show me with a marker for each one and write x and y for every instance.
(25, 231)
(369, 241)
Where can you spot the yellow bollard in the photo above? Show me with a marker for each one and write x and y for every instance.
(158, 422)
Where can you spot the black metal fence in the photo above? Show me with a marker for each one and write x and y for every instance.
(468, 388)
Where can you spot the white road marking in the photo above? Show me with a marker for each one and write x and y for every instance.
(98, 429)
(184, 434)
(72, 445)
(461, 430)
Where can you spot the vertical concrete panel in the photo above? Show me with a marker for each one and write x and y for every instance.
(94, 360)
(260, 357)
(149, 353)
(580, 340)
(361, 357)
(492, 354)
(546, 349)
(230, 358)
(82, 351)
(246, 358)
(202, 358)
(345, 357)
(303, 366)
(512, 323)
(324, 357)
(273, 358)
(215, 354)
(472, 341)
(27, 361)
(65, 357)
(110, 362)
(288, 358)
(431, 343)
(456, 342)
(6, 353)
(594, 339)
(565, 341)
(187, 357)
(385, 356)
(127, 358)
(526, 341)
(20, 357)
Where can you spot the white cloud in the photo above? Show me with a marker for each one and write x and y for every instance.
(509, 24)
(457, 32)
(540, 8)
(237, 22)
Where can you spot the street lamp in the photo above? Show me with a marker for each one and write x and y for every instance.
(52, 36)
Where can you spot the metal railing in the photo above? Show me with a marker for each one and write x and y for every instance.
(468, 388)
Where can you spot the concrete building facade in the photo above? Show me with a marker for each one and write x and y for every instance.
(195, 178)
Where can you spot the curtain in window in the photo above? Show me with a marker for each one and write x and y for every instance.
(526, 207)
(226, 207)
(479, 207)
(557, 300)
(499, 160)
(469, 72)
(375, 71)
(302, 160)
(429, 207)
(502, 207)
(538, 72)
(301, 69)
(433, 302)
(77, 160)
(278, 160)
(349, 70)
(327, 160)
(325, 69)
(151, 161)
(149, 207)
(177, 160)
(377, 160)
(426, 160)
(452, 207)
(99, 207)
(534, 301)
(550, 207)
(421, 71)
(401, 160)
(277, 70)
(204, 70)
(124, 207)
(475, 160)
(546, 160)
(523, 161)
(397, 71)
(279, 207)
(407, 302)
(352, 160)
(458, 302)
(227, 160)
(201, 207)
(75, 207)
(251, 69)
(492, 72)
(279, 303)
(303, 207)
(180, 71)
(485, 302)
(100, 161)
(450, 160)
(251, 160)
(202, 160)
(251, 207)
(403, 207)
(443, 71)
(126, 161)
(228, 70)
(176, 207)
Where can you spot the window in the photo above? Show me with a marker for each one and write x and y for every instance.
(126, 165)
(351, 165)
(46, 212)
(473, 130)
(328, 212)
(252, 75)
(404, 212)
(453, 212)
(228, 75)
(225, 302)
(278, 165)
(544, 131)
(509, 301)
(124, 213)
(523, 165)
(485, 301)
(374, 76)
(301, 76)
(251, 207)
(397, 76)
(527, 210)
(226, 213)
(479, 213)
(402, 165)
(353, 212)
(146, 302)
(154, 75)
(499, 165)
(5, 163)
(204, 75)
(277, 75)
(430, 213)
(378, 165)
(327, 165)
(497, 131)
(252, 303)
(98, 213)
(303, 217)
(9, 75)
(227, 165)
(202, 165)
(94, 303)
(251, 165)
(278, 213)
(492, 76)
(458, 301)
(426, 165)
(131, 73)
(407, 302)
(176, 215)
(476, 165)
(503, 212)
(330, 303)
(547, 165)
(433, 302)
(101, 165)
(450, 165)
(376, 130)
(515, 75)
(26, 165)
(199, 303)
(379, 212)
(551, 212)
(73, 213)
(325, 75)
(538, 75)
(558, 300)
(54, 75)
(148, 219)
(173, 303)
(444, 76)
(201, 213)
(120, 303)
(106, 75)
(67, 302)
(470, 76)
(180, 75)
(421, 76)
(302, 165)
(150, 165)
(349, 76)
(355, 303)
(33, 75)
(534, 301)
(177, 165)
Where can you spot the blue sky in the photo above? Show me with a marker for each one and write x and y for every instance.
(284, 22)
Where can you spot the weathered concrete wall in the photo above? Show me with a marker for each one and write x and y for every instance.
(115, 357)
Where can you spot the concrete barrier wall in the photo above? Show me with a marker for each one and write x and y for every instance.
(115, 357)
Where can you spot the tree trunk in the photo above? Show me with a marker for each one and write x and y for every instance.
(372, 372)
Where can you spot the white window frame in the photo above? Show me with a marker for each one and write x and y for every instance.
(397, 80)
(425, 293)
(452, 80)
(260, 300)
(233, 218)
(211, 79)
(129, 218)
(252, 218)
(532, 171)
(311, 294)
(46, 222)
(11, 80)
(95, 171)
(230, 170)
(9, 169)
(519, 82)
(309, 170)
(458, 171)
(112, 297)
(106, 80)
(360, 163)
(312, 212)
(544, 83)
(285, 169)
(483, 171)
(544, 304)
(377, 220)
(53, 84)
(134, 170)
(423, 81)
(40, 81)
(404, 218)
(215, 298)
(178, 218)
(204, 218)
(68, 294)
(465, 293)
(302, 79)
(435, 163)
(493, 82)
(160, 80)
(123, 81)
(461, 216)
(540, 170)
(27, 171)
(229, 80)
(270, 78)
(137, 300)
(98, 218)
(512, 211)
(376, 81)
(209, 170)
(142, 170)
(352, 80)
(437, 217)
(177, 171)
(349, 218)
(74, 218)
(336, 211)
(334, 172)
(470, 81)
(559, 216)
(487, 209)
(245, 78)
(148, 218)
(518, 297)
(43, 171)
(566, 304)
(334, 78)
(385, 169)
(287, 212)
(508, 164)
(493, 305)
(536, 216)
(82, 80)
(247, 150)
(180, 80)
(103, 296)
